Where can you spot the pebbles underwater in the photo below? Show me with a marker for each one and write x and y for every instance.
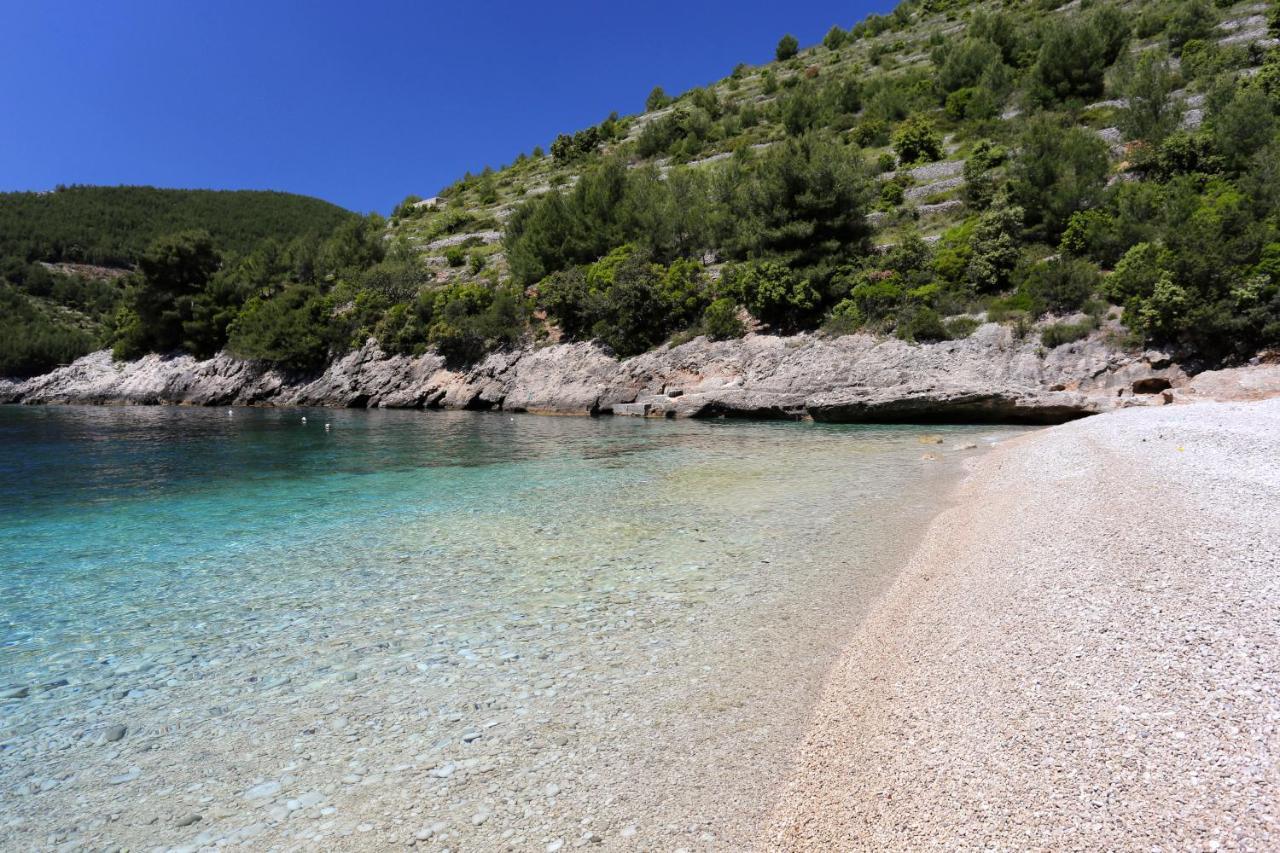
(441, 631)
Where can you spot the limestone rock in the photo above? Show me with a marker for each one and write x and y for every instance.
(990, 376)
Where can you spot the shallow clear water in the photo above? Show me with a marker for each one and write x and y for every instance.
(165, 558)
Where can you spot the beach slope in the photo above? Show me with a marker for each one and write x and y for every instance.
(1084, 653)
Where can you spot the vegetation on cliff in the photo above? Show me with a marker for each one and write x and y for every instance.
(910, 175)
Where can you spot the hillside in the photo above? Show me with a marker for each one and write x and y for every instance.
(1089, 169)
(113, 226)
(63, 255)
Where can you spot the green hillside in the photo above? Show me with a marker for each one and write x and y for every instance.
(112, 226)
(1059, 168)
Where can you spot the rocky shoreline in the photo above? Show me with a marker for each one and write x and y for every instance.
(992, 376)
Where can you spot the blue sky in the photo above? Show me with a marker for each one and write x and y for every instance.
(357, 103)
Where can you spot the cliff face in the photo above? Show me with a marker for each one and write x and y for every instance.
(989, 376)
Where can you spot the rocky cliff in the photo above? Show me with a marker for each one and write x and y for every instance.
(990, 376)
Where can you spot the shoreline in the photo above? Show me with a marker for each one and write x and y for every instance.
(1080, 652)
(992, 376)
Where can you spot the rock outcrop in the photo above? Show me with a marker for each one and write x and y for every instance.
(990, 376)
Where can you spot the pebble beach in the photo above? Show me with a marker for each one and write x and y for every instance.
(1083, 654)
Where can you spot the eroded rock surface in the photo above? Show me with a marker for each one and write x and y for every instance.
(990, 376)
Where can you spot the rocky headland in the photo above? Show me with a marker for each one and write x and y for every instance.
(991, 376)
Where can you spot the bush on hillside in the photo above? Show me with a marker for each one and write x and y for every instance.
(720, 321)
(788, 47)
(915, 141)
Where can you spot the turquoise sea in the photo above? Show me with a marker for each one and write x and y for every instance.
(252, 586)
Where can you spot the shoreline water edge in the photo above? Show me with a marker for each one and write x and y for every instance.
(992, 376)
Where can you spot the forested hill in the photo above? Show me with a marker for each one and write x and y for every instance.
(112, 226)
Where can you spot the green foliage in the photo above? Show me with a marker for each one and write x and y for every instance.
(1060, 170)
(800, 110)
(1066, 332)
(720, 320)
(1245, 124)
(1061, 286)
(979, 178)
(1151, 113)
(172, 275)
(916, 141)
(875, 296)
(466, 320)
(773, 293)
(625, 300)
(993, 249)
(286, 329)
(870, 133)
(657, 99)
(1191, 20)
(921, 324)
(967, 64)
(959, 328)
(788, 47)
(805, 201)
(1136, 274)
(32, 342)
(1075, 53)
(113, 226)
(566, 148)
(835, 38)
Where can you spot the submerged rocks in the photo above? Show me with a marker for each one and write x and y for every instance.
(990, 376)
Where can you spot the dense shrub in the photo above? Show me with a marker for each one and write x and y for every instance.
(966, 63)
(916, 141)
(31, 342)
(993, 249)
(466, 320)
(1061, 169)
(1148, 84)
(921, 324)
(1061, 286)
(1057, 334)
(287, 329)
(773, 293)
(657, 100)
(1075, 53)
(720, 321)
(1191, 20)
(787, 47)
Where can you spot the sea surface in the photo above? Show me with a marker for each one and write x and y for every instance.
(354, 630)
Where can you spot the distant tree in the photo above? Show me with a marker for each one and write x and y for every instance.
(1060, 169)
(657, 99)
(1147, 85)
(967, 62)
(171, 275)
(994, 246)
(788, 46)
(800, 110)
(1070, 65)
(835, 38)
(1191, 20)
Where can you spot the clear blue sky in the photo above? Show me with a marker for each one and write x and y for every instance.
(357, 103)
